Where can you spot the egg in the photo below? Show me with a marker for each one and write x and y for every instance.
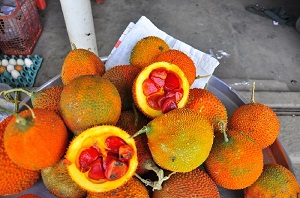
(4, 62)
(18, 67)
(2, 69)
(28, 62)
(20, 61)
(15, 74)
(9, 68)
(12, 61)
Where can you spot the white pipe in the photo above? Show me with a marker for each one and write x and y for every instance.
(80, 24)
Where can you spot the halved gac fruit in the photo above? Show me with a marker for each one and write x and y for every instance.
(160, 88)
(101, 158)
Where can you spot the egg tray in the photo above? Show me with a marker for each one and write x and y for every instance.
(27, 74)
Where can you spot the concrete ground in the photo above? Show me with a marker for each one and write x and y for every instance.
(249, 47)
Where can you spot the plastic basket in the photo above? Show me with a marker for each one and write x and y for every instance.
(20, 30)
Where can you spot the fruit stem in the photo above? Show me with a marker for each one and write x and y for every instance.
(222, 126)
(13, 100)
(205, 86)
(19, 119)
(252, 97)
(6, 94)
(156, 185)
(16, 101)
(142, 130)
(73, 46)
(225, 136)
(30, 94)
(206, 76)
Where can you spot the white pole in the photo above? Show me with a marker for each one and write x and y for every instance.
(80, 24)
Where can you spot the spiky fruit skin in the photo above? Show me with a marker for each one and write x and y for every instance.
(96, 137)
(196, 183)
(182, 60)
(48, 98)
(14, 179)
(275, 181)
(88, 101)
(79, 62)
(131, 121)
(235, 164)
(134, 188)
(180, 140)
(36, 139)
(58, 181)
(122, 76)
(208, 104)
(146, 51)
(258, 121)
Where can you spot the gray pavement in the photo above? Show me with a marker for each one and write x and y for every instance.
(249, 47)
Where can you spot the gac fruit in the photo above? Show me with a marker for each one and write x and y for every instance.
(160, 88)
(101, 158)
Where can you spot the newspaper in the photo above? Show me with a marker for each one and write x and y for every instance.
(120, 54)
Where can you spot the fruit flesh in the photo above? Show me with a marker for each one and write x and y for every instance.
(111, 165)
(163, 90)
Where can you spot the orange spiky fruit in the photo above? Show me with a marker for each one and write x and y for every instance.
(133, 188)
(196, 183)
(79, 62)
(122, 76)
(275, 181)
(257, 120)
(34, 132)
(47, 98)
(14, 179)
(146, 50)
(207, 103)
(182, 60)
(179, 140)
(57, 180)
(235, 161)
(88, 101)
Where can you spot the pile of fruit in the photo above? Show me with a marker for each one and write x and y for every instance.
(138, 130)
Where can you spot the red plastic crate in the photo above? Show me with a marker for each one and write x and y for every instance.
(20, 30)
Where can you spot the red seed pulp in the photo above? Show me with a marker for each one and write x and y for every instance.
(162, 90)
(111, 165)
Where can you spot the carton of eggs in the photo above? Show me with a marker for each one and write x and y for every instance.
(19, 71)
